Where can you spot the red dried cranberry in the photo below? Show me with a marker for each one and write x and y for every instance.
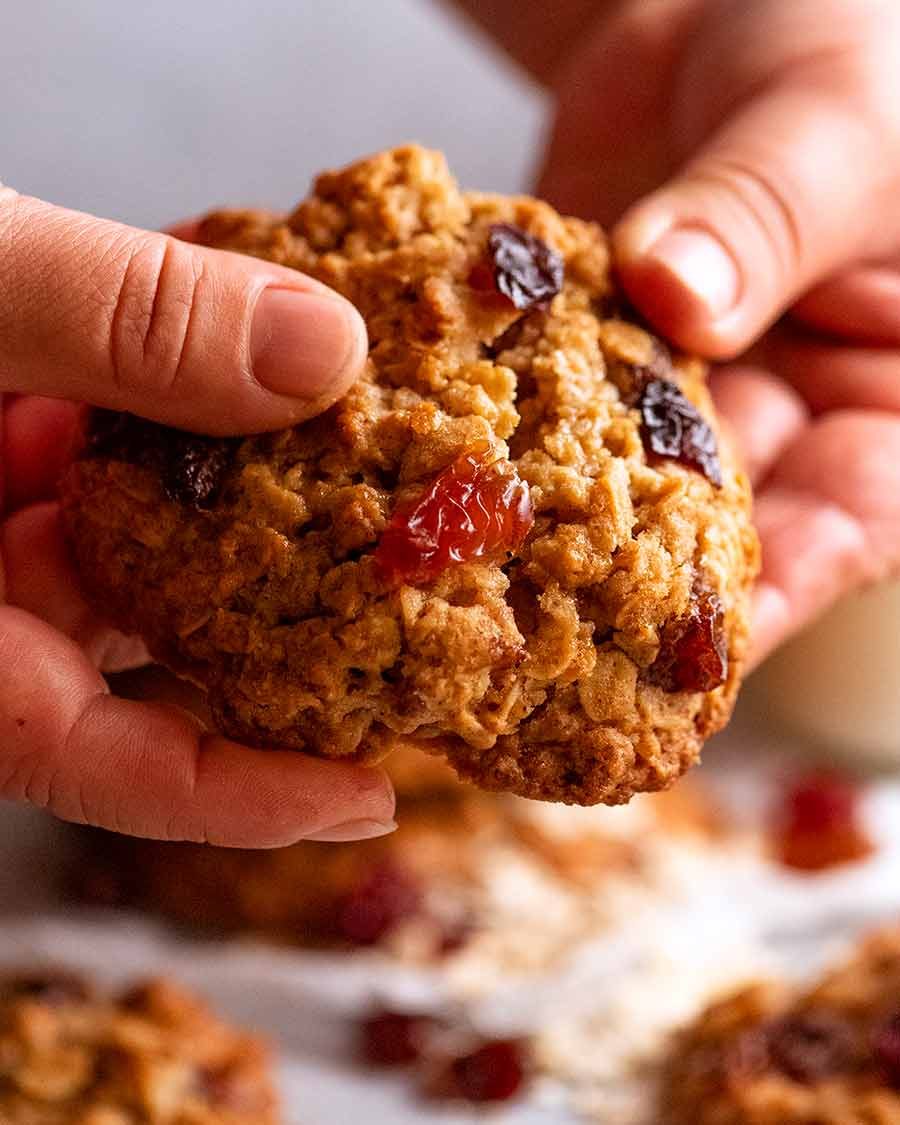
(478, 507)
(673, 427)
(524, 269)
(386, 896)
(886, 1050)
(494, 1072)
(393, 1038)
(819, 824)
(693, 653)
(812, 1046)
(821, 802)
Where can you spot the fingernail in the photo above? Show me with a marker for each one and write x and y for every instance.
(353, 830)
(303, 343)
(702, 266)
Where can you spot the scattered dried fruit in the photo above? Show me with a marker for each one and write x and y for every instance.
(393, 1038)
(812, 1046)
(818, 824)
(478, 507)
(494, 1072)
(386, 897)
(693, 651)
(673, 427)
(523, 268)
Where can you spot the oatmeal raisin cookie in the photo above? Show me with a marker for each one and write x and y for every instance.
(520, 541)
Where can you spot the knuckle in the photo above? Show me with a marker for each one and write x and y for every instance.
(152, 316)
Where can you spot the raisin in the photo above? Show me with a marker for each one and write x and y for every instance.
(671, 426)
(818, 824)
(811, 1047)
(886, 1050)
(393, 1038)
(192, 467)
(693, 653)
(494, 1072)
(478, 507)
(527, 271)
(386, 896)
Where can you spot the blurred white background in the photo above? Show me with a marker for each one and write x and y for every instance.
(153, 112)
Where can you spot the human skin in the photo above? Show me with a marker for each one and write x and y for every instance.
(97, 312)
(761, 141)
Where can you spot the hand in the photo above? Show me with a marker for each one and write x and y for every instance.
(762, 139)
(97, 312)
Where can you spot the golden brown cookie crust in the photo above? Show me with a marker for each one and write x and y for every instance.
(530, 673)
(155, 1055)
(773, 1056)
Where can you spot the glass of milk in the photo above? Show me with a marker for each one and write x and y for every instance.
(837, 685)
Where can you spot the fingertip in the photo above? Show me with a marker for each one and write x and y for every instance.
(309, 344)
(683, 279)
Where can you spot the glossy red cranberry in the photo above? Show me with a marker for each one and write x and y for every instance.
(385, 897)
(693, 652)
(886, 1050)
(819, 823)
(494, 1072)
(393, 1038)
(478, 507)
(673, 427)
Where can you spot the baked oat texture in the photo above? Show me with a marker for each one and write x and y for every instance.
(770, 1055)
(154, 1056)
(532, 671)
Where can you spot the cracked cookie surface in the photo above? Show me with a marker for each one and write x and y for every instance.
(582, 652)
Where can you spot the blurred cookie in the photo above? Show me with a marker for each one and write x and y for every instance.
(520, 541)
(154, 1055)
(772, 1055)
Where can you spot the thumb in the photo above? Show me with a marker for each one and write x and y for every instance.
(132, 320)
(794, 186)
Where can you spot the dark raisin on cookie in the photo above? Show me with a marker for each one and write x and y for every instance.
(525, 269)
(671, 426)
(192, 467)
(693, 651)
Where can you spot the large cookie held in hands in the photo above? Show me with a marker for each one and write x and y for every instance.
(519, 541)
